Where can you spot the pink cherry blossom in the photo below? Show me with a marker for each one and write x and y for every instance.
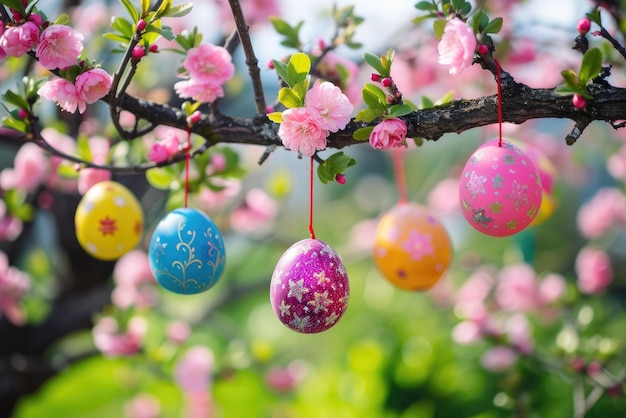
(14, 284)
(178, 332)
(299, 132)
(194, 370)
(165, 148)
(134, 283)
(30, 170)
(144, 405)
(10, 226)
(457, 46)
(605, 210)
(517, 288)
(92, 85)
(256, 12)
(499, 358)
(390, 133)
(18, 40)
(257, 215)
(59, 47)
(328, 106)
(89, 176)
(64, 93)
(443, 197)
(112, 341)
(518, 330)
(210, 200)
(67, 145)
(467, 332)
(209, 64)
(593, 267)
(198, 91)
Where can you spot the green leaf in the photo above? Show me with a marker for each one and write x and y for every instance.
(427, 103)
(363, 134)
(281, 69)
(123, 26)
(570, 77)
(15, 99)
(400, 110)
(14, 4)
(438, 27)
(16, 124)
(117, 38)
(368, 115)
(161, 177)
(164, 8)
(494, 26)
(426, 5)
(145, 7)
(134, 16)
(63, 19)
(298, 68)
(374, 62)
(83, 151)
(275, 117)
(180, 10)
(289, 98)
(374, 97)
(590, 66)
(335, 164)
(291, 33)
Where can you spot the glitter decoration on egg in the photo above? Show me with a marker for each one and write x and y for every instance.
(412, 249)
(500, 189)
(186, 253)
(108, 221)
(309, 289)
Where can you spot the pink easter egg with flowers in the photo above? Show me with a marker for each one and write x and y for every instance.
(500, 189)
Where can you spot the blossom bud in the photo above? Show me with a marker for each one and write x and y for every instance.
(138, 52)
(340, 178)
(583, 26)
(22, 114)
(579, 101)
(375, 77)
(36, 19)
(141, 25)
(386, 82)
(154, 48)
(270, 64)
(194, 117)
(483, 49)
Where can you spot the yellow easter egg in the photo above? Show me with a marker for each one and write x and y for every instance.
(412, 249)
(108, 221)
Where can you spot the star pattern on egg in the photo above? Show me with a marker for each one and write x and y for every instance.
(309, 290)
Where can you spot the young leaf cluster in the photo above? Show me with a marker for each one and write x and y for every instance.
(337, 163)
(295, 74)
(124, 30)
(590, 68)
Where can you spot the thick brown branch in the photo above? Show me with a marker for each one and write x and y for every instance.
(520, 104)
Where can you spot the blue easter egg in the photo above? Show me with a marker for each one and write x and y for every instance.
(186, 252)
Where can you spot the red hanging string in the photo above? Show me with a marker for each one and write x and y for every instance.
(187, 160)
(311, 200)
(499, 100)
(398, 166)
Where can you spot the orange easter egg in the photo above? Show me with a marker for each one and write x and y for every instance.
(412, 249)
(108, 221)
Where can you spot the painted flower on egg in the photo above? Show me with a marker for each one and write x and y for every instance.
(412, 249)
(309, 289)
(108, 221)
(500, 189)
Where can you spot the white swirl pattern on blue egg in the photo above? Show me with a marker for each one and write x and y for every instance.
(187, 253)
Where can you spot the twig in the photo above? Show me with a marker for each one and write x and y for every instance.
(251, 60)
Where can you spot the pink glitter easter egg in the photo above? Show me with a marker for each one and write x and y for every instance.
(309, 290)
(500, 189)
